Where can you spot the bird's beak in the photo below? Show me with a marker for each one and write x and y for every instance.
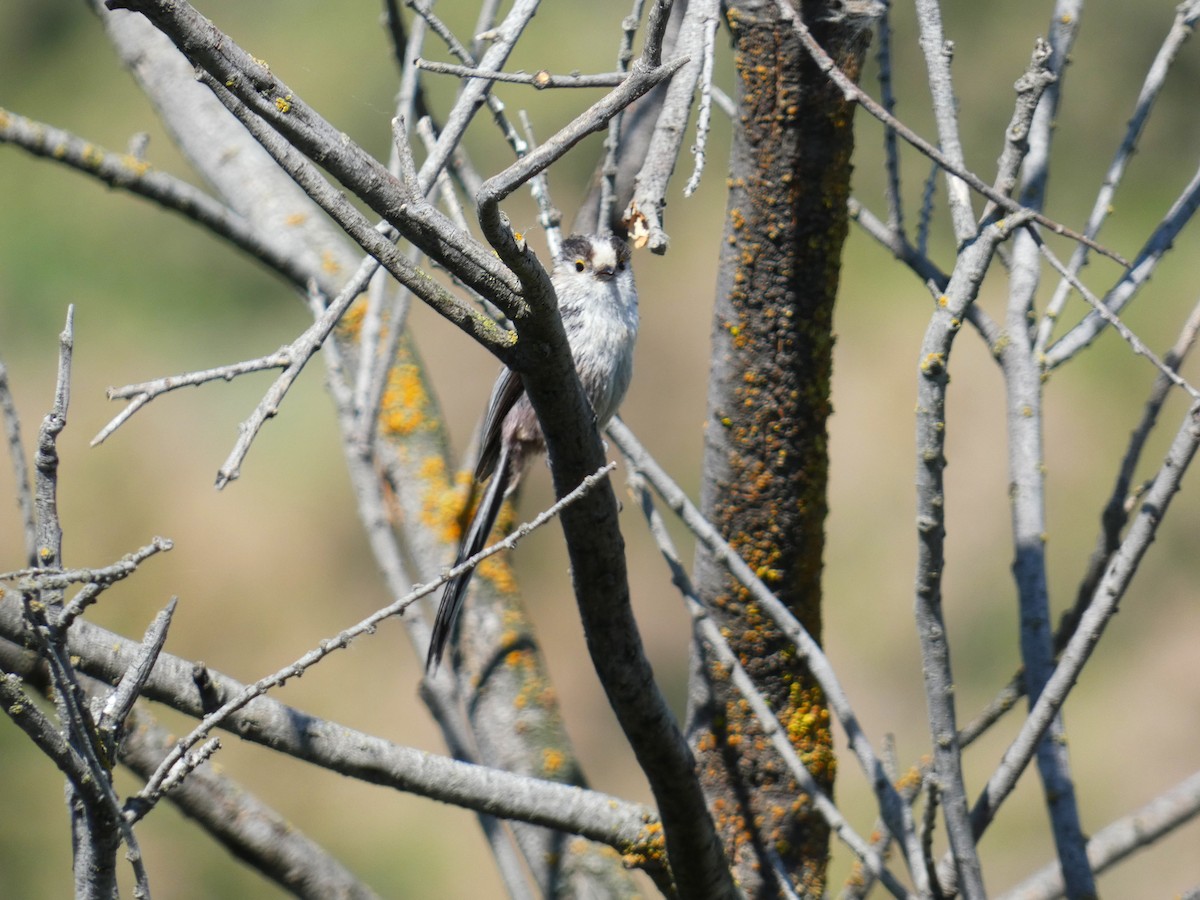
(605, 273)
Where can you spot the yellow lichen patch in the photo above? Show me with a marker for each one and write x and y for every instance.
(909, 780)
(552, 761)
(499, 573)
(92, 155)
(933, 363)
(403, 409)
(440, 504)
(138, 167)
(329, 263)
(284, 104)
(295, 219)
(351, 321)
(433, 470)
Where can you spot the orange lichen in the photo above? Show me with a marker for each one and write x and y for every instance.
(138, 167)
(329, 263)
(499, 573)
(404, 405)
(553, 761)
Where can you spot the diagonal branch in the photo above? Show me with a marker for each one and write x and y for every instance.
(1108, 594)
(853, 92)
(178, 683)
(1186, 15)
(710, 633)
(155, 785)
(893, 809)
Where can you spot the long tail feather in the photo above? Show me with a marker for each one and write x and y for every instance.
(474, 540)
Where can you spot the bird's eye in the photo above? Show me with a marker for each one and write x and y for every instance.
(580, 265)
(621, 266)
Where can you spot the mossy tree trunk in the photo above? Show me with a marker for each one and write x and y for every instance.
(766, 461)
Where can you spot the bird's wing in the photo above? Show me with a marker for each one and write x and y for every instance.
(505, 393)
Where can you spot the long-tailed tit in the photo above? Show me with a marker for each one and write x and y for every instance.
(598, 304)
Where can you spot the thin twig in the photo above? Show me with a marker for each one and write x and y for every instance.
(1105, 312)
(1109, 592)
(938, 53)
(20, 467)
(155, 785)
(1024, 166)
(116, 708)
(883, 56)
(944, 325)
(241, 822)
(612, 140)
(853, 92)
(1121, 838)
(473, 92)
(1136, 275)
(541, 79)
(894, 810)
(704, 113)
(708, 631)
(644, 214)
(1186, 15)
(549, 217)
(142, 393)
(95, 834)
(128, 173)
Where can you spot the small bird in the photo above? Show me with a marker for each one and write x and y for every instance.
(598, 304)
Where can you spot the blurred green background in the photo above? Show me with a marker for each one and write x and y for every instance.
(155, 296)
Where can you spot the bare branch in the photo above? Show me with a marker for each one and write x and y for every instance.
(612, 140)
(1109, 592)
(1120, 839)
(645, 211)
(155, 786)
(45, 460)
(704, 114)
(142, 393)
(242, 823)
(1186, 15)
(1180, 213)
(883, 56)
(1026, 153)
(1105, 312)
(233, 73)
(119, 703)
(707, 631)
(503, 39)
(128, 173)
(20, 468)
(600, 817)
(894, 811)
(931, 629)
(938, 53)
(540, 79)
(857, 94)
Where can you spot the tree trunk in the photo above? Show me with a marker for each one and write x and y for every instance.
(765, 462)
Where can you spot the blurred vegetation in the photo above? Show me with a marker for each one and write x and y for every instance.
(155, 295)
